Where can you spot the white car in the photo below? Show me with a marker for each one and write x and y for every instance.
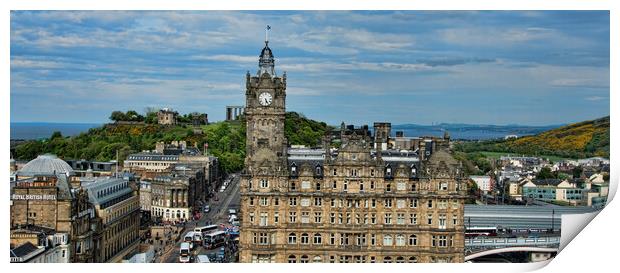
(232, 218)
(222, 188)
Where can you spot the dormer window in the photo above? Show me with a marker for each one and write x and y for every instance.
(388, 171)
(318, 171)
(414, 171)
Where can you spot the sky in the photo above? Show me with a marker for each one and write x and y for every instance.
(421, 67)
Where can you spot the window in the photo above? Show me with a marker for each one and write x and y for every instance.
(304, 238)
(276, 217)
(305, 185)
(433, 241)
(335, 172)
(442, 204)
(292, 217)
(252, 217)
(400, 203)
(251, 201)
(387, 240)
(361, 185)
(292, 238)
(442, 221)
(264, 183)
(292, 201)
(413, 219)
(443, 241)
(373, 203)
(317, 217)
(335, 184)
(373, 218)
(413, 240)
(372, 185)
(388, 171)
(430, 204)
(388, 187)
(332, 238)
(339, 218)
(293, 186)
(305, 202)
(263, 239)
(292, 259)
(263, 219)
(344, 186)
(414, 186)
(318, 188)
(276, 202)
(264, 201)
(388, 218)
(318, 171)
(401, 186)
(455, 220)
(372, 172)
(373, 239)
(332, 218)
(400, 240)
(455, 204)
(317, 259)
(387, 203)
(305, 217)
(413, 203)
(318, 201)
(317, 240)
(429, 219)
(443, 186)
(332, 202)
(400, 218)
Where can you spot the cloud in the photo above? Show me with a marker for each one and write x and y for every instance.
(595, 98)
(227, 58)
(584, 83)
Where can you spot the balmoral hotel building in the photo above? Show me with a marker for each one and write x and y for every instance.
(353, 200)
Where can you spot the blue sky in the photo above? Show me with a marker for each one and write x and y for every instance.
(526, 67)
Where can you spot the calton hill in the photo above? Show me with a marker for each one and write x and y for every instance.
(131, 132)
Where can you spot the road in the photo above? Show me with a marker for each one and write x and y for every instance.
(229, 199)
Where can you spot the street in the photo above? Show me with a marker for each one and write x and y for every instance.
(229, 199)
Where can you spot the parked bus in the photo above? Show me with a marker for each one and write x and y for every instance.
(184, 253)
(481, 232)
(214, 239)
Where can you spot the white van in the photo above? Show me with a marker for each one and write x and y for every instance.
(202, 259)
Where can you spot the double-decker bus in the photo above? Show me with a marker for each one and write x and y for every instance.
(214, 239)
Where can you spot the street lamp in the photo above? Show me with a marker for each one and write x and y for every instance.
(552, 220)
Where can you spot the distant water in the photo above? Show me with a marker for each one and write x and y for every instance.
(38, 130)
(465, 134)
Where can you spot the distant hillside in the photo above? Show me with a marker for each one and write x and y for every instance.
(578, 140)
(226, 140)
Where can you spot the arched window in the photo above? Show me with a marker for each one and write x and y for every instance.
(413, 259)
(318, 186)
(413, 240)
(387, 260)
(304, 259)
(292, 185)
(335, 185)
(292, 238)
(292, 259)
(400, 240)
(388, 187)
(400, 260)
(317, 259)
(387, 240)
(388, 170)
(318, 170)
(304, 238)
(414, 171)
(317, 239)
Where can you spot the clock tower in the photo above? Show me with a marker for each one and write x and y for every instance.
(265, 110)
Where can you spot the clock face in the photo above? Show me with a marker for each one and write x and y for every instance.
(264, 99)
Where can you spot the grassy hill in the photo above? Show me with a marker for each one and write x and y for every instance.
(578, 140)
(226, 140)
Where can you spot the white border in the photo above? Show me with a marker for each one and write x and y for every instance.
(593, 249)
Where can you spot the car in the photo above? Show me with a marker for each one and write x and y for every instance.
(221, 254)
(232, 211)
(236, 223)
(207, 208)
(232, 218)
(222, 188)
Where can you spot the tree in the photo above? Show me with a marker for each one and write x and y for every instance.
(545, 173)
(577, 171)
(56, 134)
(117, 116)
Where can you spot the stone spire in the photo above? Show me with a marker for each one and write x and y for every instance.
(266, 62)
